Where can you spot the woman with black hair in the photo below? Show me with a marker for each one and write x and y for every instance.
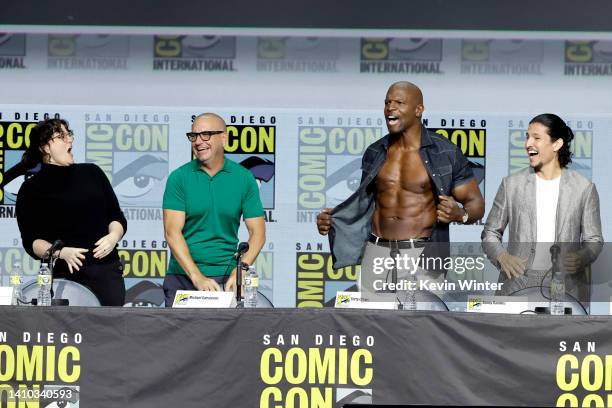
(74, 203)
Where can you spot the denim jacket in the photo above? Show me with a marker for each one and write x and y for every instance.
(352, 219)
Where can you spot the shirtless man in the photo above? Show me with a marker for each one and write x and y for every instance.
(412, 181)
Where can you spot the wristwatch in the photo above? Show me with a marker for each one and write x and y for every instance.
(465, 217)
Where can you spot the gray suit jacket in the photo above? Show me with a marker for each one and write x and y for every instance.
(577, 221)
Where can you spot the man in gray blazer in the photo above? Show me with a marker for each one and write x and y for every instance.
(542, 205)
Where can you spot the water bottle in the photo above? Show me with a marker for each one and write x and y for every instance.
(251, 283)
(44, 285)
(411, 303)
(557, 294)
(557, 283)
(16, 280)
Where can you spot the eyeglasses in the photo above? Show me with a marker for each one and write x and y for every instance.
(204, 136)
(64, 135)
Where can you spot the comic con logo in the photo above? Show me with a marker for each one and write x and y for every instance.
(583, 376)
(297, 54)
(181, 299)
(88, 52)
(588, 58)
(194, 53)
(12, 51)
(317, 282)
(132, 150)
(316, 370)
(17, 255)
(470, 136)
(40, 369)
(502, 57)
(401, 55)
(329, 161)
(581, 147)
(144, 263)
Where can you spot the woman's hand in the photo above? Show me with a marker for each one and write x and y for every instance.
(73, 256)
(105, 245)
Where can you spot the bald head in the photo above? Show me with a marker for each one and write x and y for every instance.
(211, 119)
(412, 90)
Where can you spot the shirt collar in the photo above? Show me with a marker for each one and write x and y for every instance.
(425, 138)
(227, 165)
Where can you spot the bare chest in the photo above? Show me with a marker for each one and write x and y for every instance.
(403, 170)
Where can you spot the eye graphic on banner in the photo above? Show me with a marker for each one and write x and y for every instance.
(134, 156)
(254, 147)
(199, 46)
(329, 165)
(401, 55)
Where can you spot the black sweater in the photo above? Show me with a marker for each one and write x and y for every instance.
(73, 203)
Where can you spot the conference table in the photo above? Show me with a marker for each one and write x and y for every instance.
(263, 357)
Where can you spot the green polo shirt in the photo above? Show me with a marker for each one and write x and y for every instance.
(212, 207)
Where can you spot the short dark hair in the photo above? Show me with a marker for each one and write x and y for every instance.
(39, 137)
(557, 129)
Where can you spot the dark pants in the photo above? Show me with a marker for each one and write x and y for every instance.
(172, 283)
(104, 280)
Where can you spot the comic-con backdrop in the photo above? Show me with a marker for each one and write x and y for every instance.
(304, 156)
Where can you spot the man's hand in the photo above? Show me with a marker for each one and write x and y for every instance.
(201, 282)
(572, 262)
(230, 284)
(511, 265)
(449, 210)
(73, 256)
(324, 221)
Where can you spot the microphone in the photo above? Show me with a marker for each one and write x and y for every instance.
(57, 244)
(242, 248)
(554, 254)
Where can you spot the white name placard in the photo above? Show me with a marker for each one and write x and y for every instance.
(354, 300)
(497, 304)
(204, 299)
(6, 295)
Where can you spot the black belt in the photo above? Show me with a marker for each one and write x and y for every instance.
(400, 244)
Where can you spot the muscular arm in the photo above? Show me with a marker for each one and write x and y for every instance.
(257, 237)
(469, 195)
(174, 221)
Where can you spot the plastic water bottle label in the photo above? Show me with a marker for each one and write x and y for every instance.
(15, 280)
(254, 281)
(44, 280)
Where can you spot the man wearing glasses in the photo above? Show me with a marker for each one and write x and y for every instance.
(203, 203)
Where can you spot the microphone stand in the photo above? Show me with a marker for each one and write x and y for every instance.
(52, 259)
(239, 280)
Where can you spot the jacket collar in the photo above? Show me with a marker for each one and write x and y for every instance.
(425, 139)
